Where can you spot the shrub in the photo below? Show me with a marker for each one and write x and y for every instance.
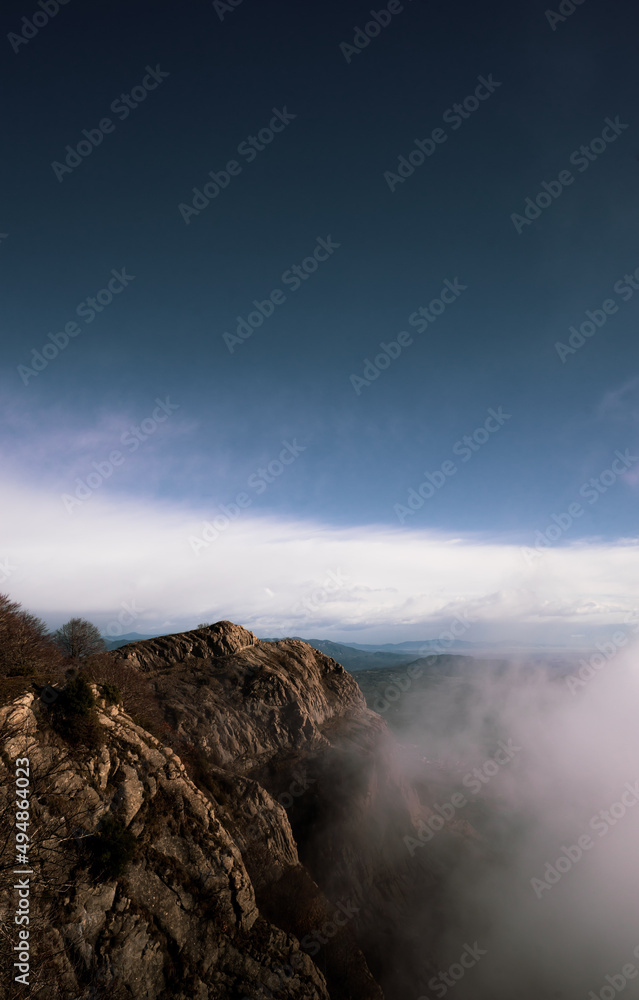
(135, 691)
(111, 849)
(73, 713)
(77, 697)
(112, 694)
(14, 687)
(22, 670)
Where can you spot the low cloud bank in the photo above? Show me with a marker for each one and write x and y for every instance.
(278, 576)
(549, 777)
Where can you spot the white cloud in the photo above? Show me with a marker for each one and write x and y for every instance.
(398, 583)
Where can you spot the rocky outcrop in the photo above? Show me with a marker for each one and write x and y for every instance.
(245, 706)
(180, 920)
(253, 849)
(286, 719)
(211, 641)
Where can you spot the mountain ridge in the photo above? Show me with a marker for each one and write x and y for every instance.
(267, 753)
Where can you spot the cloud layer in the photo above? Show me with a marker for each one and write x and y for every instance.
(280, 576)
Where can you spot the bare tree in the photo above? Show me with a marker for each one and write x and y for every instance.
(25, 645)
(79, 638)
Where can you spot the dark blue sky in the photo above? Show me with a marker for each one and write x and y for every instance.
(323, 176)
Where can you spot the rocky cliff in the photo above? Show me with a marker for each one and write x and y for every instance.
(252, 847)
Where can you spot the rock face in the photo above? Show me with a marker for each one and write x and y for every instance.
(213, 640)
(260, 855)
(181, 921)
(254, 701)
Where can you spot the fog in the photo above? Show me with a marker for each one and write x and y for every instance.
(550, 892)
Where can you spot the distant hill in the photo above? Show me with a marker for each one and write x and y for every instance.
(353, 658)
(416, 646)
(430, 692)
(122, 640)
(358, 659)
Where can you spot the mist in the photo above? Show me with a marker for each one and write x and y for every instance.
(530, 776)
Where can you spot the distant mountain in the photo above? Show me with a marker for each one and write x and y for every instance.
(122, 640)
(357, 659)
(353, 658)
(427, 693)
(424, 645)
(415, 646)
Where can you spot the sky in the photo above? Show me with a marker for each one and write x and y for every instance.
(220, 398)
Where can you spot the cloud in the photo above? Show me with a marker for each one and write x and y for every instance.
(555, 919)
(389, 580)
(44, 443)
(621, 403)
